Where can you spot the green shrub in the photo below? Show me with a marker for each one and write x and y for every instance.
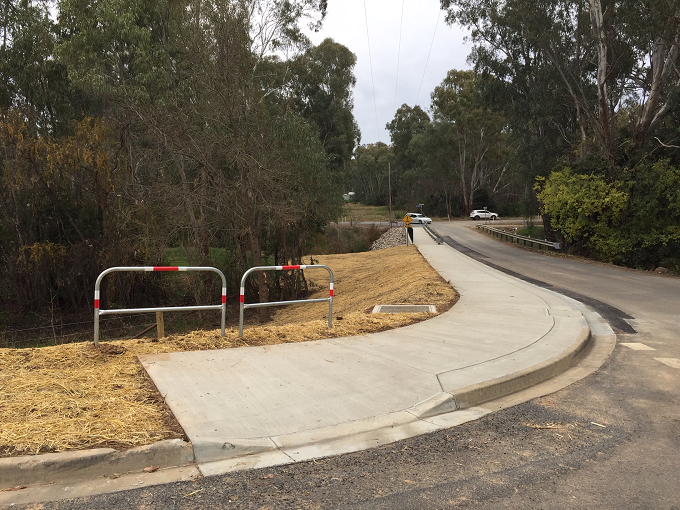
(633, 221)
(584, 209)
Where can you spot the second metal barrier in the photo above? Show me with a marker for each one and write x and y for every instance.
(279, 303)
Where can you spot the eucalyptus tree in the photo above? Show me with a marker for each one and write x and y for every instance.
(369, 173)
(611, 63)
(319, 86)
(475, 132)
(407, 123)
(30, 78)
(434, 153)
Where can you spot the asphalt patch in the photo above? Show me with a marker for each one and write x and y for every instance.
(461, 247)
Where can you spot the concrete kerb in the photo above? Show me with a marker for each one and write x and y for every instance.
(327, 441)
(88, 464)
(585, 356)
(476, 394)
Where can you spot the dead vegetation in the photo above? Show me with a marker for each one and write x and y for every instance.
(76, 396)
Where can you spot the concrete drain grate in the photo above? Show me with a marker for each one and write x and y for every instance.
(404, 309)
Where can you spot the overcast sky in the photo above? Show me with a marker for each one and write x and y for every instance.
(346, 24)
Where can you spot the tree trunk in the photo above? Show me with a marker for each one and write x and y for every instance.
(664, 57)
(467, 200)
(126, 139)
(203, 239)
(263, 287)
(448, 204)
(547, 226)
(199, 231)
(602, 95)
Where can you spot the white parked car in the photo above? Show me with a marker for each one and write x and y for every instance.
(417, 218)
(483, 214)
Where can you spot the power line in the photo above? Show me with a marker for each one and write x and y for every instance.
(370, 60)
(401, 28)
(428, 56)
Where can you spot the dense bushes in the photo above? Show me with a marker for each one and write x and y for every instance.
(632, 221)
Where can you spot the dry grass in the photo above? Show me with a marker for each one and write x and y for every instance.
(76, 396)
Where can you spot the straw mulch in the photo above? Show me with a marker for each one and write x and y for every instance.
(76, 396)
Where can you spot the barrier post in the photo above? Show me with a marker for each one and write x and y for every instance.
(243, 304)
(160, 324)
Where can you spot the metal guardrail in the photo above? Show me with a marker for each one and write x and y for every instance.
(244, 305)
(98, 312)
(433, 234)
(523, 240)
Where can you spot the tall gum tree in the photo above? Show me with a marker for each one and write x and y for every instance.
(408, 122)
(477, 132)
(368, 176)
(320, 89)
(610, 56)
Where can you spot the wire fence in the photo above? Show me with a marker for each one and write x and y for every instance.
(119, 326)
(68, 332)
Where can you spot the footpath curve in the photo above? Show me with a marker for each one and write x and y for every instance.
(263, 406)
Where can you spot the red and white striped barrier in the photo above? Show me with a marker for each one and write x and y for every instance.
(242, 297)
(242, 294)
(98, 312)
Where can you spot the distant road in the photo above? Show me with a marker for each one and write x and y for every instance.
(634, 292)
(467, 221)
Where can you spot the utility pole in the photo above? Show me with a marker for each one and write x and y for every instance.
(389, 188)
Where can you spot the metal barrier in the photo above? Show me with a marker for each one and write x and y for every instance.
(279, 303)
(433, 234)
(523, 240)
(98, 312)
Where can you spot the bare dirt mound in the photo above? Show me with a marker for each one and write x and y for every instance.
(76, 396)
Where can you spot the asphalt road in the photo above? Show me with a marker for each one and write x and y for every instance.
(611, 440)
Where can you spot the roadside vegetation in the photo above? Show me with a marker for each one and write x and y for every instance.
(149, 133)
(531, 230)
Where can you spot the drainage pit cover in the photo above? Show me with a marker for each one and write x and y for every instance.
(404, 309)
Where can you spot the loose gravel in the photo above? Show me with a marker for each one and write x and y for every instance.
(390, 239)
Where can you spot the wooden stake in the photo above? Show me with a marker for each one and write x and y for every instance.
(160, 325)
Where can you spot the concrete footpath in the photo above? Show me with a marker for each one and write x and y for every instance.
(263, 406)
